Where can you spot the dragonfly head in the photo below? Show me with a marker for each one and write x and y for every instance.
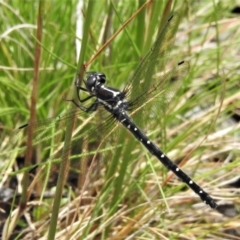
(93, 80)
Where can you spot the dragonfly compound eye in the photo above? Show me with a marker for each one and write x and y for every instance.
(94, 79)
(101, 77)
(91, 82)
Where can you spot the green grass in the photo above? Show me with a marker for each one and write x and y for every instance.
(124, 194)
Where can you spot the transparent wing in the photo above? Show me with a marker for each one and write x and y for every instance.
(152, 83)
(154, 61)
(48, 136)
(162, 90)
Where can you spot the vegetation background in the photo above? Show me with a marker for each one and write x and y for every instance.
(126, 193)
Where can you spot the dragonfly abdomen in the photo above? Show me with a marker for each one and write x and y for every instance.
(127, 122)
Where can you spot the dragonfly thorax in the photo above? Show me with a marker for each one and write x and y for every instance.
(95, 85)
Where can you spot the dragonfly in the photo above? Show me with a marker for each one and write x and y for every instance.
(137, 93)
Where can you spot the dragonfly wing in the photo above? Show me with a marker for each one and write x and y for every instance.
(163, 90)
(154, 61)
